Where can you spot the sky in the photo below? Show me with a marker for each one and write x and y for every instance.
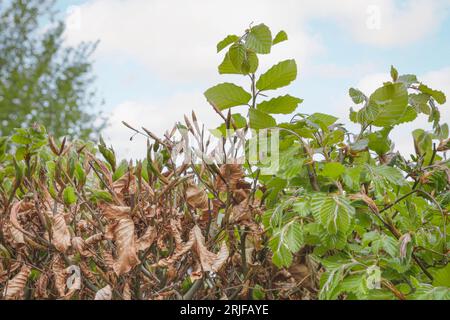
(156, 57)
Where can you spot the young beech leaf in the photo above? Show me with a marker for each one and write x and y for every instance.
(227, 95)
(280, 37)
(226, 42)
(69, 195)
(332, 170)
(284, 242)
(259, 39)
(260, 120)
(249, 65)
(394, 74)
(280, 75)
(386, 106)
(439, 96)
(283, 104)
(357, 96)
(237, 54)
(334, 212)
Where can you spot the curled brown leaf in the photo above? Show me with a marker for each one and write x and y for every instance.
(197, 198)
(123, 235)
(61, 235)
(14, 289)
(230, 175)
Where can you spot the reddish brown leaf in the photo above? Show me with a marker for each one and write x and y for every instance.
(61, 234)
(14, 289)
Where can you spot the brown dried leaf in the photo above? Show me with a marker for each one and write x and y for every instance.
(59, 274)
(232, 174)
(369, 201)
(41, 286)
(16, 235)
(126, 293)
(144, 242)
(241, 212)
(104, 293)
(15, 208)
(109, 260)
(179, 252)
(115, 212)
(175, 227)
(80, 246)
(209, 261)
(197, 198)
(124, 237)
(94, 239)
(14, 289)
(61, 234)
(221, 257)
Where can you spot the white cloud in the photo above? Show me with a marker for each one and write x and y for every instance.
(386, 23)
(175, 39)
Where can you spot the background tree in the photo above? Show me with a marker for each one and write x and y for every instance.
(41, 79)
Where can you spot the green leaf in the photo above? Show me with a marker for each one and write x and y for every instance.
(332, 170)
(391, 174)
(109, 155)
(121, 170)
(322, 120)
(259, 39)
(379, 141)
(293, 236)
(69, 195)
(258, 293)
(357, 96)
(394, 74)
(281, 255)
(420, 102)
(226, 42)
(407, 79)
(250, 65)
(437, 95)
(387, 105)
(243, 60)
(442, 277)
(101, 195)
(20, 153)
(260, 120)
(409, 115)
(239, 121)
(278, 76)
(422, 142)
(283, 104)
(334, 212)
(280, 37)
(284, 242)
(227, 95)
(237, 55)
(21, 139)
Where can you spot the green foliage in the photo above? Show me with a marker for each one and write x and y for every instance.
(40, 79)
(227, 95)
(373, 220)
(280, 75)
(69, 195)
(284, 104)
